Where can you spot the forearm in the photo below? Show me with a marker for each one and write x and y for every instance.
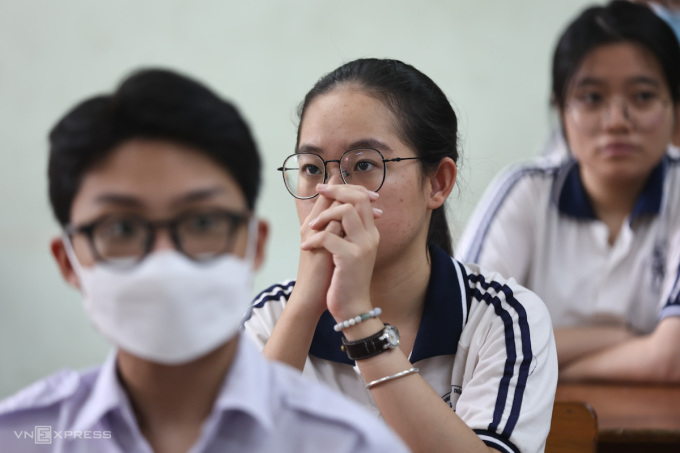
(412, 408)
(649, 358)
(409, 405)
(574, 343)
(292, 336)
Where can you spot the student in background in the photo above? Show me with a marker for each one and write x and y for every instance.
(591, 234)
(155, 188)
(453, 358)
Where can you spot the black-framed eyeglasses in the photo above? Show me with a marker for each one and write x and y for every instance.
(125, 240)
(364, 167)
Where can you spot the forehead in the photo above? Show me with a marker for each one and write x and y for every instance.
(344, 116)
(619, 64)
(156, 174)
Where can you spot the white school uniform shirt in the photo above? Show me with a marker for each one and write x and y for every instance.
(262, 407)
(535, 223)
(485, 345)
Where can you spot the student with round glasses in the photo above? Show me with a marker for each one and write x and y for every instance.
(155, 186)
(593, 235)
(453, 358)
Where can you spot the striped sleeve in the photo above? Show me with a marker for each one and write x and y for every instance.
(265, 310)
(672, 302)
(508, 395)
(500, 233)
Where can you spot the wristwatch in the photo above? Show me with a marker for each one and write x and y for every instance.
(384, 340)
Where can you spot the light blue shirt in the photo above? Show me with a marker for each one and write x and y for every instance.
(262, 407)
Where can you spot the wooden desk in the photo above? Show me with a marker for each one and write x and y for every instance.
(631, 418)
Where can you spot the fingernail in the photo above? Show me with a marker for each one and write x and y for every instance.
(321, 186)
(377, 211)
(313, 222)
(373, 195)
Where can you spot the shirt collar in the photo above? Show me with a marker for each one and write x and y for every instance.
(248, 386)
(237, 393)
(571, 197)
(107, 395)
(440, 326)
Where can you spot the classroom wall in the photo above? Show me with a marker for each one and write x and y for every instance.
(491, 57)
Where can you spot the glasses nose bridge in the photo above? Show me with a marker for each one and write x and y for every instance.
(162, 235)
(328, 176)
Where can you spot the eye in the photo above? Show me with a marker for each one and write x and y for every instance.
(644, 97)
(311, 170)
(119, 229)
(365, 165)
(590, 98)
(203, 222)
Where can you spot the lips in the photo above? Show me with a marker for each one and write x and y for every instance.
(616, 149)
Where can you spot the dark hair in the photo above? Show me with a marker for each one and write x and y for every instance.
(426, 120)
(151, 104)
(617, 22)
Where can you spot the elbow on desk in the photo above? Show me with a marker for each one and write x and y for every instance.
(667, 368)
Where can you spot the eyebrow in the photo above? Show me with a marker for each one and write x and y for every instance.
(358, 144)
(590, 81)
(134, 202)
(199, 195)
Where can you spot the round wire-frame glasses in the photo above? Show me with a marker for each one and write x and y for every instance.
(365, 167)
(642, 110)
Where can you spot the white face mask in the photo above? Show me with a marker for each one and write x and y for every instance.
(168, 309)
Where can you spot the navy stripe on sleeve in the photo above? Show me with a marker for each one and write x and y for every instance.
(504, 188)
(274, 292)
(493, 440)
(511, 352)
(672, 307)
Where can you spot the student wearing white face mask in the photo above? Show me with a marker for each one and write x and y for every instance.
(155, 187)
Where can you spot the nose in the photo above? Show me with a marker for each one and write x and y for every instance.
(616, 114)
(334, 175)
(162, 240)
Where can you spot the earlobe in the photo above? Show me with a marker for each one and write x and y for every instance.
(262, 237)
(442, 182)
(676, 127)
(61, 257)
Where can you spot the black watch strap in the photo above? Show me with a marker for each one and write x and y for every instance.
(384, 340)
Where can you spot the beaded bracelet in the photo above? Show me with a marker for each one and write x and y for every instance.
(374, 313)
(394, 376)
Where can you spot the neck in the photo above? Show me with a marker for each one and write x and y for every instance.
(612, 200)
(399, 286)
(167, 395)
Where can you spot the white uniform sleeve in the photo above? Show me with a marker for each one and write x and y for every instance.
(670, 302)
(500, 235)
(265, 311)
(510, 372)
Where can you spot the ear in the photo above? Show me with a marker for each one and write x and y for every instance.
(675, 139)
(61, 257)
(441, 183)
(262, 237)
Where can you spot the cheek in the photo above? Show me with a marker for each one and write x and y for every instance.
(576, 140)
(303, 207)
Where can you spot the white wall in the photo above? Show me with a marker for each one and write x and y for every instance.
(491, 57)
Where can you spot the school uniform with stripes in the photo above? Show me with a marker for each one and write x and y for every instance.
(485, 345)
(536, 224)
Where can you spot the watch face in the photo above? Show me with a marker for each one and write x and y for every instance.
(392, 336)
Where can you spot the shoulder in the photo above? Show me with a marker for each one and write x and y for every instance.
(489, 290)
(45, 400)
(313, 402)
(537, 171)
(265, 311)
(278, 292)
